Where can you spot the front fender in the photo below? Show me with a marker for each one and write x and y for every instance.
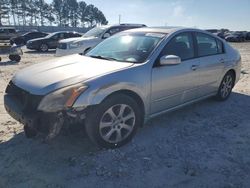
(135, 79)
(94, 96)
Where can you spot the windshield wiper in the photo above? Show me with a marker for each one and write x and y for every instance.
(102, 57)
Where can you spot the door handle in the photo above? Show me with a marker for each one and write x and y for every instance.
(194, 67)
(221, 60)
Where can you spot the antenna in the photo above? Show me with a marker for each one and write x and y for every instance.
(120, 17)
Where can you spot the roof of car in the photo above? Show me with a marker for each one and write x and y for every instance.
(65, 32)
(124, 25)
(163, 30)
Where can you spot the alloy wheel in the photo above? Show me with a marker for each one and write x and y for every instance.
(227, 86)
(117, 123)
(44, 47)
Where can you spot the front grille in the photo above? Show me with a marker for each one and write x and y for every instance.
(62, 46)
(29, 102)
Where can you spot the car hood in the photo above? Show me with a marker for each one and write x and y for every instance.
(44, 78)
(76, 39)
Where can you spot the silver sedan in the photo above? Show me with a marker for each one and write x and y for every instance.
(122, 82)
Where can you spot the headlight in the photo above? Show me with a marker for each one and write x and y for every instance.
(61, 99)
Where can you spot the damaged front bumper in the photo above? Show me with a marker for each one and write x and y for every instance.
(36, 121)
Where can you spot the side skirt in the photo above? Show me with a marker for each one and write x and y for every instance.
(179, 106)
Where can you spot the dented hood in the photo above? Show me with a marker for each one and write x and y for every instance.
(43, 78)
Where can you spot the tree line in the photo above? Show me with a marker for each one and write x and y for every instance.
(58, 12)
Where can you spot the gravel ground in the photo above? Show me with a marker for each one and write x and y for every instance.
(203, 145)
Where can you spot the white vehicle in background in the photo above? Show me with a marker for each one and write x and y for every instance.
(90, 39)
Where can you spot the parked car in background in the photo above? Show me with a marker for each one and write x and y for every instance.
(50, 41)
(6, 33)
(91, 38)
(248, 36)
(22, 40)
(220, 34)
(235, 37)
(122, 82)
(212, 30)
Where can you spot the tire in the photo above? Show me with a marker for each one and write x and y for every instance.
(16, 58)
(29, 132)
(104, 130)
(226, 87)
(43, 47)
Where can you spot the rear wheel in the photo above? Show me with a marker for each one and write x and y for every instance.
(16, 58)
(114, 122)
(226, 87)
(44, 47)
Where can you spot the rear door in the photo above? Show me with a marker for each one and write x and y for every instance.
(211, 56)
(173, 85)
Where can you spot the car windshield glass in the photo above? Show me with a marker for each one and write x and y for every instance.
(134, 48)
(50, 35)
(95, 32)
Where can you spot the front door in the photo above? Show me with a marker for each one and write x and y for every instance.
(55, 39)
(173, 85)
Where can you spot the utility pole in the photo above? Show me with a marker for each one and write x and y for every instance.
(120, 16)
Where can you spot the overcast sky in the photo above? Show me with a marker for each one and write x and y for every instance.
(231, 14)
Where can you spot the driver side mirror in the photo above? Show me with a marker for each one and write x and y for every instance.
(170, 60)
(106, 35)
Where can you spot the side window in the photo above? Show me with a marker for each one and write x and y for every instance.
(66, 35)
(181, 45)
(55, 37)
(113, 31)
(12, 31)
(75, 35)
(78, 35)
(220, 47)
(62, 35)
(206, 45)
(31, 35)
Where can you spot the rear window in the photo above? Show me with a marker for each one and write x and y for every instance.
(12, 31)
(207, 45)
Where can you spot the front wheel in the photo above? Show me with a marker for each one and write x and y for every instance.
(114, 122)
(226, 87)
(44, 48)
(29, 132)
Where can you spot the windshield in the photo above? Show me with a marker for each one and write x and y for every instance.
(133, 48)
(50, 35)
(95, 32)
